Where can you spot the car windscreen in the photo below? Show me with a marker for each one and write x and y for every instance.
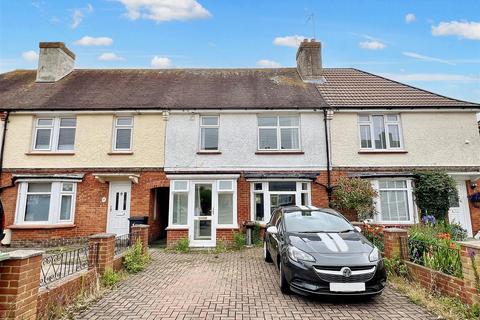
(315, 221)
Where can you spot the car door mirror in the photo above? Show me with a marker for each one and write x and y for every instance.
(272, 230)
(358, 228)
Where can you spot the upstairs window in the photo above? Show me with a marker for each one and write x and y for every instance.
(54, 134)
(380, 132)
(209, 133)
(278, 133)
(123, 132)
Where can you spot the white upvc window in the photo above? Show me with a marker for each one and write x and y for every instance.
(179, 203)
(395, 201)
(46, 202)
(278, 132)
(380, 132)
(55, 134)
(227, 204)
(209, 127)
(266, 196)
(123, 134)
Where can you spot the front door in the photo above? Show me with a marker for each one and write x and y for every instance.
(202, 228)
(459, 212)
(119, 207)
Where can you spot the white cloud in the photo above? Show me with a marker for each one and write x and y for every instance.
(426, 58)
(429, 77)
(30, 56)
(79, 14)
(465, 29)
(110, 56)
(165, 10)
(372, 45)
(264, 63)
(410, 17)
(92, 41)
(289, 41)
(161, 62)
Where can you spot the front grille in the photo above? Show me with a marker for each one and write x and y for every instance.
(335, 274)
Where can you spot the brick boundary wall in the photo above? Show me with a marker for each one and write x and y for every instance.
(467, 289)
(140, 233)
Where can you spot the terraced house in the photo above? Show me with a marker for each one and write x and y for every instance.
(198, 152)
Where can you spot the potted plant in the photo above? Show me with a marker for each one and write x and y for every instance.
(475, 199)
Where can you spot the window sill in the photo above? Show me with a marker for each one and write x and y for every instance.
(277, 152)
(117, 153)
(382, 151)
(42, 226)
(50, 153)
(209, 152)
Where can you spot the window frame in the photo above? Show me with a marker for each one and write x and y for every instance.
(267, 193)
(412, 209)
(174, 191)
(233, 192)
(55, 204)
(203, 126)
(386, 123)
(54, 133)
(279, 128)
(116, 127)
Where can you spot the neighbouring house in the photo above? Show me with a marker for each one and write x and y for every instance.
(198, 152)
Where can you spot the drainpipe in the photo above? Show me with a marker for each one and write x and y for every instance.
(327, 114)
(7, 114)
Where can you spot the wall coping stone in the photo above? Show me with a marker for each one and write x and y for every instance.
(24, 254)
(142, 226)
(102, 236)
(475, 244)
(393, 230)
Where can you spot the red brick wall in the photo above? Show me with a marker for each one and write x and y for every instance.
(90, 211)
(175, 235)
(474, 212)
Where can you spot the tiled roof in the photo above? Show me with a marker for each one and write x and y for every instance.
(347, 88)
(152, 89)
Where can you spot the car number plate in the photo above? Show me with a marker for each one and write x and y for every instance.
(347, 287)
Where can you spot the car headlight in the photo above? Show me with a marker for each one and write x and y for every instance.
(296, 254)
(374, 255)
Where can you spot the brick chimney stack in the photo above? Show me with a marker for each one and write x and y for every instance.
(309, 60)
(55, 61)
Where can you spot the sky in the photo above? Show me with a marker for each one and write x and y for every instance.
(431, 44)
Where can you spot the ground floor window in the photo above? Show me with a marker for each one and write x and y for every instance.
(268, 195)
(395, 201)
(45, 202)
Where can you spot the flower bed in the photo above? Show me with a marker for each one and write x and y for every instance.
(374, 234)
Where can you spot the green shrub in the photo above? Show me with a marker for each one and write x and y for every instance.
(239, 240)
(355, 194)
(434, 192)
(256, 239)
(395, 267)
(221, 246)
(135, 260)
(182, 245)
(110, 278)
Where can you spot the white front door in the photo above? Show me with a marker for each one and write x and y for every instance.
(119, 207)
(459, 212)
(202, 226)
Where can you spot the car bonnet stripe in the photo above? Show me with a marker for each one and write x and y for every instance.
(328, 242)
(342, 245)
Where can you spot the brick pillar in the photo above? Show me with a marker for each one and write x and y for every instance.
(393, 247)
(19, 283)
(472, 286)
(106, 250)
(140, 232)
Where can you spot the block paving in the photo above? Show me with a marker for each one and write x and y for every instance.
(232, 285)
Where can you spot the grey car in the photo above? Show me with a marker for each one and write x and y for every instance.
(318, 251)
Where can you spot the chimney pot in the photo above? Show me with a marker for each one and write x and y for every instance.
(309, 60)
(55, 61)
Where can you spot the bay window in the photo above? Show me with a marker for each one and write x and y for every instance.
(46, 202)
(380, 132)
(278, 133)
(54, 134)
(267, 196)
(395, 201)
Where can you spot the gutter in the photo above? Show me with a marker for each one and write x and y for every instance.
(3, 145)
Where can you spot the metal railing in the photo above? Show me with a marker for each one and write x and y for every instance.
(122, 243)
(60, 265)
(441, 257)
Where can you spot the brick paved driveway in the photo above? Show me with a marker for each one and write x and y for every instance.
(237, 285)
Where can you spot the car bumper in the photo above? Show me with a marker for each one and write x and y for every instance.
(303, 279)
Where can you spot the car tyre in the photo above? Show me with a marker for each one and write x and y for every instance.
(284, 285)
(266, 254)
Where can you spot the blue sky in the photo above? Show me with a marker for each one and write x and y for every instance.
(432, 44)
